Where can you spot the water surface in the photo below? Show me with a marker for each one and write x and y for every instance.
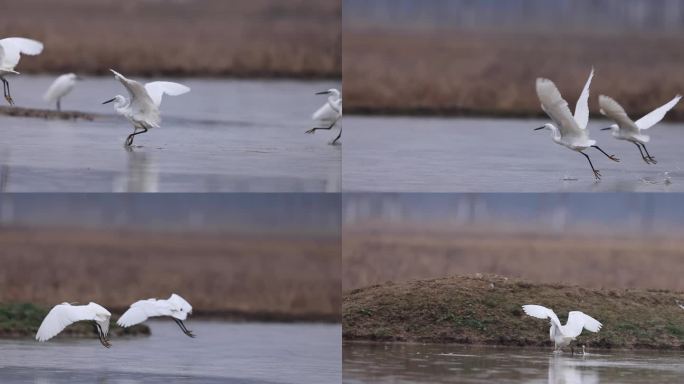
(415, 363)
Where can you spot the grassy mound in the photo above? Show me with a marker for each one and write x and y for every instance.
(23, 319)
(486, 310)
(45, 113)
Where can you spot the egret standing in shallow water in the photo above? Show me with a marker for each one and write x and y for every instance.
(629, 130)
(175, 306)
(562, 335)
(142, 108)
(11, 49)
(60, 88)
(569, 131)
(65, 314)
(329, 114)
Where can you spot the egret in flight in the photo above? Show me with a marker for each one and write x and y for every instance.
(65, 314)
(629, 130)
(569, 131)
(175, 307)
(60, 88)
(142, 106)
(562, 335)
(11, 49)
(329, 114)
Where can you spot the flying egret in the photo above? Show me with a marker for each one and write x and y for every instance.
(60, 88)
(629, 130)
(562, 335)
(569, 131)
(11, 49)
(329, 114)
(142, 108)
(175, 306)
(65, 314)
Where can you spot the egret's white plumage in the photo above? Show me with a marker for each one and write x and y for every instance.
(60, 88)
(11, 49)
(65, 314)
(568, 130)
(329, 113)
(560, 334)
(628, 130)
(175, 307)
(142, 106)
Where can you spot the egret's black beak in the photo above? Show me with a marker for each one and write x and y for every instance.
(605, 129)
(109, 101)
(536, 129)
(323, 93)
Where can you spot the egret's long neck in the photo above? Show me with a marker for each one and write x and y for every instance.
(555, 133)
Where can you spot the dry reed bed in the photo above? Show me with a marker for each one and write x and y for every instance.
(374, 254)
(486, 73)
(256, 38)
(222, 274)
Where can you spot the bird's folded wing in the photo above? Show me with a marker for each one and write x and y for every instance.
(582, 107)
(614, 111)
(60, 317)
(577, 321)
(15, 46)
(157, 89)
(556, 107)
(325, 114)
(657, 115)
(541, 312)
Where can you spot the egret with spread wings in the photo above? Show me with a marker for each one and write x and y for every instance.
(11, 50)
(632, 131)
(569, 130)
(65, 314)
(175, 307)
(563, 335)
(142, 106)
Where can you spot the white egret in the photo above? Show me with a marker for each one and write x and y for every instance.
(142, 108)
(629, 130)
(562, 335)
(175, 307)
(60, 88)
(329, 114)
(569, 131)
(65, 314)
(11, 49)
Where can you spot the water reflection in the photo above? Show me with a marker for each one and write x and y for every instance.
(141, 175)
(563, 370)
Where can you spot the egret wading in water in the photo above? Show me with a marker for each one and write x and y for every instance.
(11, 50)
(60, 88)
(563, 335)
(569, 131)
(629, 130)
(329, 114)
(142, 106)
(65, 314)
(175, 307)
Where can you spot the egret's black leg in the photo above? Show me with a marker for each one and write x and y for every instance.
(648, 155)
(597, 174)
(182, 327)
(313, 130)
(612, 157)
(337, 138)
(642, 153)
(59, 104)
(6, 90)
(129, 140)
(100, 334)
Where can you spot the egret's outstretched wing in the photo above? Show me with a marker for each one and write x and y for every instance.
(157, 89)
(142, 310)
(657, 115)
(582, 106)
(614, 111)
(142, 106)
(577, 321)
(541, 312)
(557, 108)
(13, 47)
(60, 317)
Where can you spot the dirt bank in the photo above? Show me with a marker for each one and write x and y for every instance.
(487, 311)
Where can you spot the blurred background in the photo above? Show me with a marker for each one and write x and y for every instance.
(464, 57)
(594, 240)
(239, 38)
(243, 256)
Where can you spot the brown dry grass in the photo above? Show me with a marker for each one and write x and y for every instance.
(463, 73)
(376, 253)
(255, 38)
(279, 277)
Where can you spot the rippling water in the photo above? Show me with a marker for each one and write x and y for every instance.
(221, 353)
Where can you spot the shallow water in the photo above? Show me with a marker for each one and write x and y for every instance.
(221, 353)
(499, 155)
(415, 363)
(223, 136)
